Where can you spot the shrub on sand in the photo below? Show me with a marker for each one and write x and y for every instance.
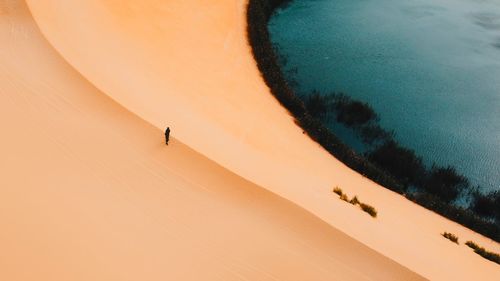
(472, 245)
(369, 209)
(337, 190)
(494, 257)
(344, 197)
(450, 236)
(354, 200)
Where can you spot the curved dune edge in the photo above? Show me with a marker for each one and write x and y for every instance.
(139, 65)
(89, 192)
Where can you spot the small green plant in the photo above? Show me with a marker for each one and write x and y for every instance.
(337, 190)
(450, 236)
(369, 209)
(354, 200)
(494, 257)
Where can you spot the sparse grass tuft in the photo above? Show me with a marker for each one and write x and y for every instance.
(337, 190)
(494, 257)
(344, 197)
(472, 245)
(354, 200)
(450, 236)
(369, 209)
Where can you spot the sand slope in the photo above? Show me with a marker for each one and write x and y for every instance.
(88, 191)
(187, 64)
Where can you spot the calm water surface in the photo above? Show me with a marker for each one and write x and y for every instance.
(430, 68)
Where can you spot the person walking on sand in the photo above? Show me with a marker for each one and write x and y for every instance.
(167, 135)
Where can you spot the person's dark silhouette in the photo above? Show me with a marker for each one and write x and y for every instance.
(167, 135)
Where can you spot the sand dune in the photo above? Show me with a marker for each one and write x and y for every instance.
(187, 64)
(89, 192)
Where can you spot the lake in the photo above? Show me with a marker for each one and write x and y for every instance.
(430, 69)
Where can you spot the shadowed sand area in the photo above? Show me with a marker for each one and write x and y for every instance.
(90, 192)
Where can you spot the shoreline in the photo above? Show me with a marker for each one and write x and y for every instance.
(258, 14)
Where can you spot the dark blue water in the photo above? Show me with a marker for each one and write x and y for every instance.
(430, 68)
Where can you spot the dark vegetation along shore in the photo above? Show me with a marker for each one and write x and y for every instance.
(388, 164)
